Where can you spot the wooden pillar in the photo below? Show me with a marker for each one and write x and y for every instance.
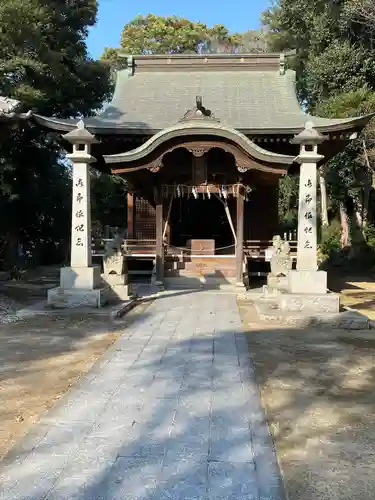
(159, 240)
(131, 216)
(239, 234)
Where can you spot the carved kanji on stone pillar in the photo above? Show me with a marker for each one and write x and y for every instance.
(307, 278)
(79, 283)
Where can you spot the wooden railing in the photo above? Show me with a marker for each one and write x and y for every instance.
(139, 247)
(129, 246)
(253, 249)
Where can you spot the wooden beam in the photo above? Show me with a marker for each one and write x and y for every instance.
(167, 219)
(239, 243)
(229, 217)
(159, 239)
(131, 228)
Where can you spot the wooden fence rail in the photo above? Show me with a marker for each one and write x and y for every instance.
(253, 249)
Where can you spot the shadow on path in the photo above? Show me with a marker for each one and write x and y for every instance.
(172, 411)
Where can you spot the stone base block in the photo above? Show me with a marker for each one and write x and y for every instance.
(60, 298)
(4, 276)
(278, 282)
(309, 303)
(270, 292)
(120, 292)
(240, 285)
(80, 278)
(341, 321)
(193, 283)
(118, 284)
(307, 282)
(115, 279)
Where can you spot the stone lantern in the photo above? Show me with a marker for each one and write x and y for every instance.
(307, 279)
(80, 284)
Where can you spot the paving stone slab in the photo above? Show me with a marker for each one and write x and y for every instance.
(171, 411)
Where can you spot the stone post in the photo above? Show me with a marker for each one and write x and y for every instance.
(79, 283)
(307, 279)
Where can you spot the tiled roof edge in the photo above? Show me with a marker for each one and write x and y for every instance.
(206, 62)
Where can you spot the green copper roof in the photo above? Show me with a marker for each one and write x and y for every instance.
(201, 127)
(239, 99)
(249, 93)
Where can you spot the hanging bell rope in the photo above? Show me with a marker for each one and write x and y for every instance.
(223, 191)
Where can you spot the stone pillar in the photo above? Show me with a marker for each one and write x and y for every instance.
(307, 279)
(239, 235)
(307, 243)
(79, 283)
(80, 252)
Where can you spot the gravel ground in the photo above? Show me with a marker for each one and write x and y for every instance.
(318, 390)
(8, 309)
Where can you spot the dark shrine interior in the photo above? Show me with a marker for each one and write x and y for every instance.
(201, 219)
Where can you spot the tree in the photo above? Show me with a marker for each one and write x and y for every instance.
(170, 35)
(333, 50)
(159, 35)
(335, 78)
(109, 200)
(43, 56)
(253, 41)
(43, 63)
(323, 197)
(288, 201)
(364, 12)
(351, 171)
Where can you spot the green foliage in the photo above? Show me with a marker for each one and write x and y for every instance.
(108, 200)
(288, 201)
(153, 34)
(334, 52)
(341, 66)
(43, 63)
(330, 242)
(252, 41)
(165, 35)
(369, 235)
(360, 101)
(43, 57)
(335, 67)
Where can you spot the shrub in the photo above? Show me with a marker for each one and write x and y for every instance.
(330, 243)
(369, 235)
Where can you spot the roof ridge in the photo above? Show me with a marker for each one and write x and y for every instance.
(247, 55)
(206, 62)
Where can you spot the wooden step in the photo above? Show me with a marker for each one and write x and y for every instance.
(196, 267)
(229, 273)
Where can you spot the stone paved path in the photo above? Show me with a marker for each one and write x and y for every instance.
(171, 412)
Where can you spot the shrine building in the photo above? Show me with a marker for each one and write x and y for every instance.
(202, 141)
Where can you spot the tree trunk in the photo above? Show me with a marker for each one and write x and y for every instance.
(345, 234)
(366, 204)
(12, 259)
(323, 198)
(358, 214)
(368, 185)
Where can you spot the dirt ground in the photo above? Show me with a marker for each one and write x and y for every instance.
(41, 359)
(357, 293)
(318, 391)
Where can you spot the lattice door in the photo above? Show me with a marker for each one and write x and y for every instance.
(145, 220)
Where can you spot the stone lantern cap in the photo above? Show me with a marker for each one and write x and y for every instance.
(309, 135)
(80, 135)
